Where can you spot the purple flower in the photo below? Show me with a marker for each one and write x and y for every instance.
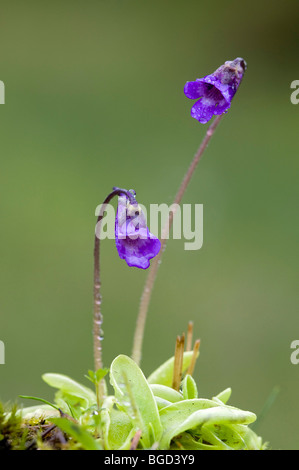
(216, 90)
(134, 242)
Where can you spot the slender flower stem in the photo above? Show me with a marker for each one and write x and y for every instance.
(97, 314)
(149, 284)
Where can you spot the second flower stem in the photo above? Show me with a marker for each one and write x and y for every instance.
(149, 284)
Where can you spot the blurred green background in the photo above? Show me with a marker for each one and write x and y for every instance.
(94, 99)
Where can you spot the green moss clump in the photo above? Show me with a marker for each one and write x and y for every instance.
(13, 434)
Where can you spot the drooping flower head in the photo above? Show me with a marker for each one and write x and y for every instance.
(134, 242)
(216, 90)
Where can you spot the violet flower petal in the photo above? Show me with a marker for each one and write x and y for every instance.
(194, 90)
(202, 112)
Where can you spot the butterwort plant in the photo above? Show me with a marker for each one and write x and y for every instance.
(164, 410)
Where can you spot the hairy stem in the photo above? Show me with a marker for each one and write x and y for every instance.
(149, 284)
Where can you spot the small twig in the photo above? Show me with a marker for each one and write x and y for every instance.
(44, 434)
(60, 436)
(50, 428)
(178, 362)
(135, 440)
(194, 357)
(189, 336)
(65, 415)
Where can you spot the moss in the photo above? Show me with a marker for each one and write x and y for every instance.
(13, 435)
